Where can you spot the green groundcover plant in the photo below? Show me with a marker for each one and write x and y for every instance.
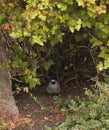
(89, 113)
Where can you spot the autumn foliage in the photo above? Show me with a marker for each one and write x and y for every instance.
(52, 33)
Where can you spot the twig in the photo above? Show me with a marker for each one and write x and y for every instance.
(70, 79)
(17, 80)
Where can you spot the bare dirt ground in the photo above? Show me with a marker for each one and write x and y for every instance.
(51, 115)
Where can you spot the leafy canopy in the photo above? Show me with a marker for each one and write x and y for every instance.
(34, 23)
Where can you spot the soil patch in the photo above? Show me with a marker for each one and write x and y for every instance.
(50, 116)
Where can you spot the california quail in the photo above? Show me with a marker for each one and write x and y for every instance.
(53, 87)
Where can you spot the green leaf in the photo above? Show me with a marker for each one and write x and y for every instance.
(78, 38)
(106, 64)
(33, 82)
(17, 34)
(36, 39)
(77, 27)
(24, 64)
(108, 43)
(42, 17)
(72, 28)
(1, 18)
(26, 33)
(66, 68)
(53, 40)
(47, 127)
(27, 78)
(59, 5)
(71, 25)
(86, 24)
(105, 29)
(95, 41)
(45, 28)
(15, 64)
(100, 66)
(80, 2)
(54, 29)
(64, 7)
(79, 22)
(48, 64)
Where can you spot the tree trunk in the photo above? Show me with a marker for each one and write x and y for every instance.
(7, 101)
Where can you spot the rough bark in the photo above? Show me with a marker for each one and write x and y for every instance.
(7, 101)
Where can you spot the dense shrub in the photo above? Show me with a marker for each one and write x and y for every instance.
(41, 29)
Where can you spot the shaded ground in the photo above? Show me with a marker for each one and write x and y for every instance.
(50, 116)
